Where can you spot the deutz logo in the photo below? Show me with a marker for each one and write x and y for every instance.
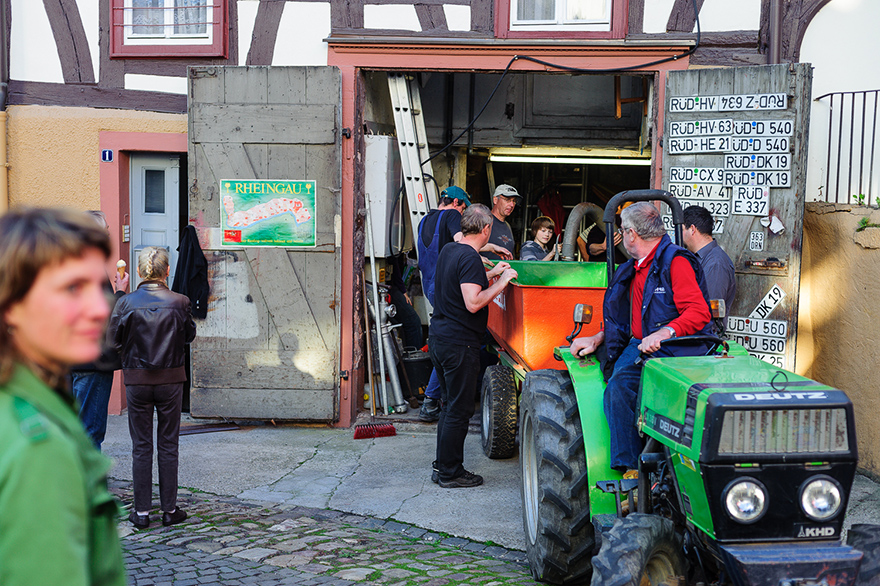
(778, 396)
(816, 531)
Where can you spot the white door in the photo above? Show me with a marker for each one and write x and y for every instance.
(155, 207)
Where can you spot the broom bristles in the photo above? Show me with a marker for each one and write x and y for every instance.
(369, 430)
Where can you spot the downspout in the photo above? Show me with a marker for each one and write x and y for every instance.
(775, 31)
(4, 89)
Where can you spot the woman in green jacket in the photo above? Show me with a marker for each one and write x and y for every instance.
(57, 518)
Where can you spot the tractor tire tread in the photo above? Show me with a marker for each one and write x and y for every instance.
(564, 542)
(629, 544)
(866, 538)
(499, 401)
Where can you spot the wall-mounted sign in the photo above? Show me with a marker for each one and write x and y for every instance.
(777, 101)
(107, 155)
(266, 212)
(751, 200)
(756, 241)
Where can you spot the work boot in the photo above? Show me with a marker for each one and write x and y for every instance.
(430, 410)
(466, 480)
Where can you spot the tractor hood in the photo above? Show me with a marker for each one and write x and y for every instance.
(717, 409)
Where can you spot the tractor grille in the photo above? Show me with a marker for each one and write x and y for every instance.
(784, 431)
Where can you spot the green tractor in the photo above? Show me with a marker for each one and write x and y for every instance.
(744, 478)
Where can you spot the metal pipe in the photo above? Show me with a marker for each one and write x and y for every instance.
(471, 98)
(391, 356)
(379, 351)
(569, 243)
(775, 32)
(873, 137)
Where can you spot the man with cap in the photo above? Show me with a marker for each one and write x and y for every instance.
(504, 200)
(437, 229)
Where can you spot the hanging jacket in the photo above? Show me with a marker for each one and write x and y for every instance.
(658, 304)
(191, 273)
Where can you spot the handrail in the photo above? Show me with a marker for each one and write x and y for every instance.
(843, 111)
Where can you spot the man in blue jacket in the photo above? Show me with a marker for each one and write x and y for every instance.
(656, 295)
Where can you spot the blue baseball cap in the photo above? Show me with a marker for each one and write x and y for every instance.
(455, 192)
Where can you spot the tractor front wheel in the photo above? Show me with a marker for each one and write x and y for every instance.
(498, 424)
(556, 506)
(640, 550)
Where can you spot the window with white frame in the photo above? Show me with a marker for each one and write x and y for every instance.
(177, 21)
(574, 15)
(156, 27)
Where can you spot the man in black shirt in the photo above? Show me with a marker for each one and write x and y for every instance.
(457, 330)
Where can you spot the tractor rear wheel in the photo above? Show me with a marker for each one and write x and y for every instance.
(866, 539)
(640, 550)
(498, 427)
(556, 506)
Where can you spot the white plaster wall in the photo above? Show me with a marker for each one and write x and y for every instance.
(725, 15)
(842, 44)
(656, 15)
(301, 34)
(715, 15)
(88, 12)
(458, 17)
(247, 14)
(391, 16)
(33, 54)
(155, 83)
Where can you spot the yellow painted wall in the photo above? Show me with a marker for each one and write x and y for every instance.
(53, 153)
(839, 313)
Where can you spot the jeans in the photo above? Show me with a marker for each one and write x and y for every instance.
(432, 391)
(621, 395)
(166, 399)
(91, 388)
(457, 366)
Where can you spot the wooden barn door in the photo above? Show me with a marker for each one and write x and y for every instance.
(269, 348)
(735, 142)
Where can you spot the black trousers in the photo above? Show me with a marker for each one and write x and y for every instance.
(166, 400)
(457, 367)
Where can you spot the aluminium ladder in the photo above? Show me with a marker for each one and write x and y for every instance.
(412, 140)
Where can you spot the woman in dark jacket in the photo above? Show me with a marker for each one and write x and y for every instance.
(150, 328)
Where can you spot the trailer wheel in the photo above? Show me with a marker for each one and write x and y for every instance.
(639, 549)
(556, 506)
(498, 427)
(866, 539)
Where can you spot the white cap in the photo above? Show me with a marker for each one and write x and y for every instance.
(506, 191)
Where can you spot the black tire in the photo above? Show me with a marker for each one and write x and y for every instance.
(866, 539)
(639, 549)
(556, 505)
(498, 421)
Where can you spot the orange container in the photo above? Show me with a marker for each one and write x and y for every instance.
(533, 314)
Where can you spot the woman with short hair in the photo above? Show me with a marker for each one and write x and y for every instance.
(57, 518)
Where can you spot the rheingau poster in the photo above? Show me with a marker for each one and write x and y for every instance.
(267, 212)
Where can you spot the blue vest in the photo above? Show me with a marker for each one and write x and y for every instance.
(428, 258)
(658, 304)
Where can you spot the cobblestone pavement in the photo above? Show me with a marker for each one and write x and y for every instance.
(230, 542)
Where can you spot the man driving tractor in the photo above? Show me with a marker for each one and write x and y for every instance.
(658, 294)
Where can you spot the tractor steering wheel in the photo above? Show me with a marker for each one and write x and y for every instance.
(712, 339)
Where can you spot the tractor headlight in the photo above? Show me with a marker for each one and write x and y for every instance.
(745, 500)
(820, 498)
